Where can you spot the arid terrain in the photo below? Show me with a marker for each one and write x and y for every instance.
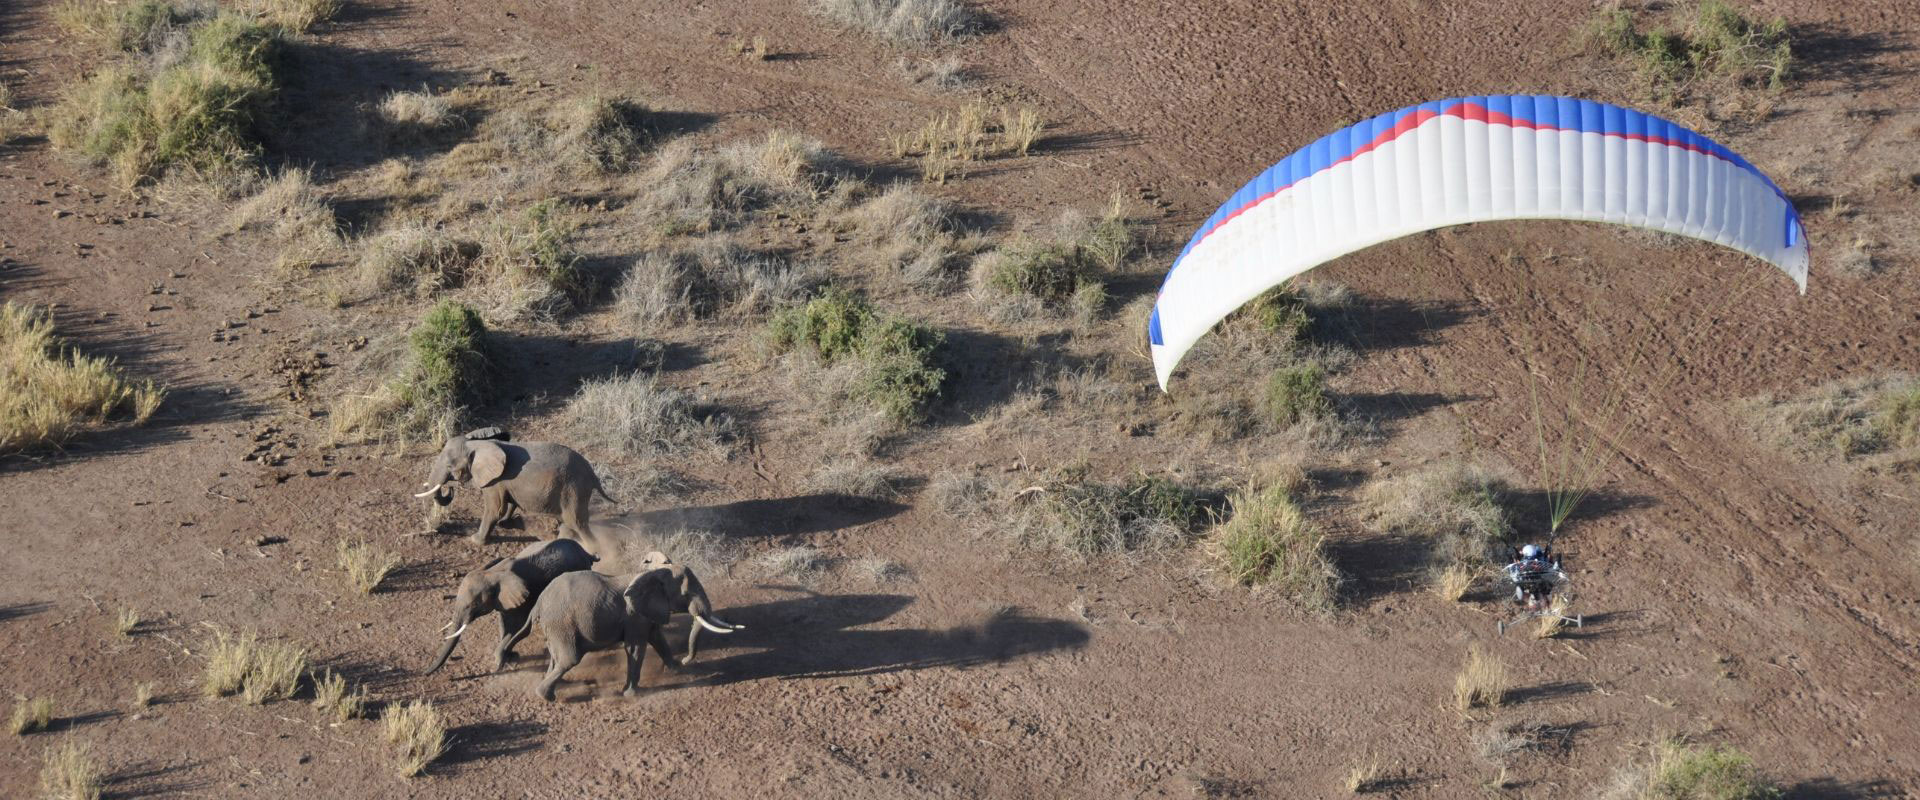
(902, 638)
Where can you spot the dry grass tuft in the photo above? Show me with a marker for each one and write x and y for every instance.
(637, 415)
(1457, 505)
(1365, 776)
(961, 494)
(366, 565)
(1482, 681)
(259, 671)
(704, 281)
(31, 715)
(411, 118)
(125, 620)
(874, 569)
(143, 694)
(68, 772)
(293, 15)
(943, 72)
(1550, 625)
(801, 564)
(1452, 581)
(907, 22)
(295, 214)
(415, 257)
(1268, 542)
(418, 732)
(49, 393)
(866, 480)
(336, 699)
(602, 134)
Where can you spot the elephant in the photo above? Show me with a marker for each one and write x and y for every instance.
(581, 612)
(538, 477)
(690, 597)
(510, 586)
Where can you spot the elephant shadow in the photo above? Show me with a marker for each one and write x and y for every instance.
(820, 636)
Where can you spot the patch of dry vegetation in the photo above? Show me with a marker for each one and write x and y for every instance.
(336, 699)
(695, 190)
(49, 392)
(125, 620)
(947, 143)
(295, 214)
(68, 772)
(916, 236)
(866, 480)
(1482, 681)
(1065, 270)
(906, 22)
(259, 671)
(31, 715)
(804, 565)
(636, 415)
(1873, 421)
(1453, 504)
(1680, 770)
(1268, 542)
(418, 734)
(1073, 516)
(706, 280)
(946, 72)
(1365, 776)
(292, 15)
(365, 564)
(143, 694)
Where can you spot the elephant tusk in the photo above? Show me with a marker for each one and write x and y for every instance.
(456, 634)
(430, 490)
(446, 626)
(710, 626)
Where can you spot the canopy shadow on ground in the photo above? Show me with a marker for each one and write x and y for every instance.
(758, 518)
(1836, 789)
(151, 778)
(484, 741)
(816, 636)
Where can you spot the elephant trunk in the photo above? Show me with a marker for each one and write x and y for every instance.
(459, 625)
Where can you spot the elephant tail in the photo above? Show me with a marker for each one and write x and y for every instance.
(603, 491)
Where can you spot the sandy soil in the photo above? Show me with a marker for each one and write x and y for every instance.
(1731, 592)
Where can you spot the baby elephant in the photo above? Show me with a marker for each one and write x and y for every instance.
(581, 612)
(510, 586)
(690, 597)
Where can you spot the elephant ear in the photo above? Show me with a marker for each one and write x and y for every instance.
(489, 463)
(496, 434)
(513, 590)
(647, 597)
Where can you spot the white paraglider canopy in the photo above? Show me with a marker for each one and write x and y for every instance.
(1469, 159)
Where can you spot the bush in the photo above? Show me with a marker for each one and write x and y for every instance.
(49, 393)
(1297, 394)
(1719, 41)
(1066, 269)
(1685, 772)
(597, 134)
(1268, 541)
(417, 258)
(1455, 503)
(902, 21)
(898, 357)
(131, 28)
(448, 365)
(636, 415)
(1088, 519)
(197, 112)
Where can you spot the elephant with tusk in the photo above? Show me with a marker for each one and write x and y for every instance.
(537, 477)
(509, 586)
(689, 597)
(581, 612)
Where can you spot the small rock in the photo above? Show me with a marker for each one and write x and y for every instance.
(61, 213)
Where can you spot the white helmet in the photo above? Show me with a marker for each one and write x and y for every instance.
(1529, 551)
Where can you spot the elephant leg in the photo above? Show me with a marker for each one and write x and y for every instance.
(693, 638)
(493, 507)
(562, 656)
(657, 636)
(573, 521)
(635, 652)
(511, 632)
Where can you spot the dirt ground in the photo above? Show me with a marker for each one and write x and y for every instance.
(1731, 592)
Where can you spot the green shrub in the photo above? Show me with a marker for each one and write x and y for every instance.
(1719, 41)
(1685, 772)
(1268, 541)
(199, 111)
(1049, 271)
(1297, 393)
(449, 349)
(899, 357)
(548, 244)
